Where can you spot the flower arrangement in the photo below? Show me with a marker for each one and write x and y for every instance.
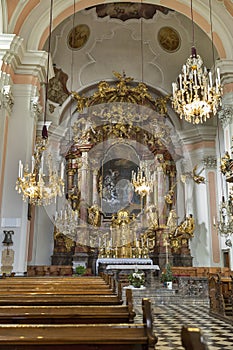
(166, 275)
(137, 279)
(80, 270)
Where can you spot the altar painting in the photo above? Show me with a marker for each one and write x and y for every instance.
(117, 189)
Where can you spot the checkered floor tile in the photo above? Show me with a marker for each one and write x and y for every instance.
(169, 318)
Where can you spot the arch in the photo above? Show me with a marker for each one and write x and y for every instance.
(222, 36)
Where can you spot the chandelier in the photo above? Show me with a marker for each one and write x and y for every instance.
(224, 225)
(197, 93)
(67, 221)
(39, 187)
(141, 181)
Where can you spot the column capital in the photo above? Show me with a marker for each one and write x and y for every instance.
(225, 115)
(210, 162)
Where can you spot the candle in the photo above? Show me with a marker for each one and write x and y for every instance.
(19, 169)
(173, 87)
(62, 170)
(32, 164)
(180, 77)
(214, 221)
(184, 70)
(217, 85)
(210, 79)
(218, 76)
(42, 164)
(195, 76)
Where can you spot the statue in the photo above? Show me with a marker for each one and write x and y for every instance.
(62, 243)
(172, 221)
(169, 196)
(186, 227)
(197, 177)
(74, 196)
(225, 163)
(152, 216)
(94, 215)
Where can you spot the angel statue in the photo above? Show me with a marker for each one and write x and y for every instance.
(197, 176)
(224, 163)
(187, 226)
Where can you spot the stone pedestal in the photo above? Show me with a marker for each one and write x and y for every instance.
(80, 258)
(62, 259)
(182, 260)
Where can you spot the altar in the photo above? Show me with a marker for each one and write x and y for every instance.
(127, 269)
(102, 263)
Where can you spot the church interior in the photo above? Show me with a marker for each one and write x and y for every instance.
(123, 169)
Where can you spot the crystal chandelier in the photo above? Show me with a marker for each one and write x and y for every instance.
(67, 221)
(39, 187)
(224, 225)
(197, 94)
(141, 181)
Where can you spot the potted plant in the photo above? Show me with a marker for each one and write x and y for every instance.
(137, 279)
(80, 270)
(167, 277)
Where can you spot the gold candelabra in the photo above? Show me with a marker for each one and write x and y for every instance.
(141, 181)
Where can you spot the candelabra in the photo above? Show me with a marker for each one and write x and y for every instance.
(141, 181)
(67, 221)
(36, 186)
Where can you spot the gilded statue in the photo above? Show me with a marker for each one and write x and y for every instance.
(62, 243)
(74, 197)
(186, 227)
(197, 177)
(225, 163)
(169, 196)
(172, 221)
(122, 218)
(94, 215)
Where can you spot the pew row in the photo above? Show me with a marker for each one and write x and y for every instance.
(69, 313)
(192, 339)
(63, 299)
(221, 296)
(121, 336)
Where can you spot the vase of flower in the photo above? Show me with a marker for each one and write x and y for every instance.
(137, 279)
(167, 277)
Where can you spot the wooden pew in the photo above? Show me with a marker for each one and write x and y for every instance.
(63, 299)
(58, 291)
(48, 314)
(192, 339)
(221, 296)
(123, 336)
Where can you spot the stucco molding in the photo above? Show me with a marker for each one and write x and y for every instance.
(225, 115)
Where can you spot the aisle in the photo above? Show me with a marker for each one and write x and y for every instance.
(169, 318)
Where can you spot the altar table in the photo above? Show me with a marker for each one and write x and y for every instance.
(122, 261)
(147, 269)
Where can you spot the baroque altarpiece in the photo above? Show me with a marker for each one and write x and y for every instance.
(121, 181)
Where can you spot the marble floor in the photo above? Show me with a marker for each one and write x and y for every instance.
(170, 317)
